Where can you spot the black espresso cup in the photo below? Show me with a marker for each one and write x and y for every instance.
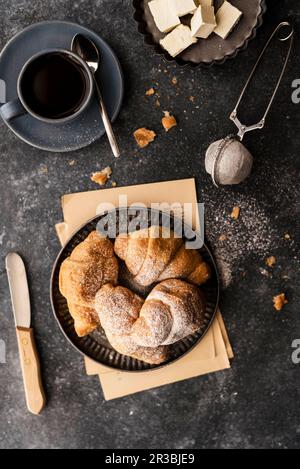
(54, 86)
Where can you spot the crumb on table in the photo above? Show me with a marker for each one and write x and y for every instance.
(101, 177)
(222, 238)
(235, 214)
(150, 92)
(44, 169)
(279, 301)
(168, 121)
(271, 261)
(144, 137)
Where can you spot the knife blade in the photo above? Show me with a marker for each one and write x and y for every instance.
(30, 364)
(19, 292)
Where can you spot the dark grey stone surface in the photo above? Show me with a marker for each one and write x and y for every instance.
(256, 403)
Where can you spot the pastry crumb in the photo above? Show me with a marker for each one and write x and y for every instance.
(192, 99)
(280, 301)
(222, 238)
(168, 121)
(71, 163)
(157, 103)
(144, 137)
(287, 236)
(150, 92)
(174, 81)
(114, 184)
(271, 261)
(44, 170)
(235, 214)
(101, 177)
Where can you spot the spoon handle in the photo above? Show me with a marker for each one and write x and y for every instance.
(107, 124)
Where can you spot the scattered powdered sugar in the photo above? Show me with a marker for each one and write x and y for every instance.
(233, 241)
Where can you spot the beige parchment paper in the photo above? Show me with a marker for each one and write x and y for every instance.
(214, 352)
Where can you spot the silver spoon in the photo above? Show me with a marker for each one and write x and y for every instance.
(87, 50)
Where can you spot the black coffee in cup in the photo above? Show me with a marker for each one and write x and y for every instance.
(54, 85)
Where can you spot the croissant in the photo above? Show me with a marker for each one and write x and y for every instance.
(152, 257)
(144, 330)
(118, 309)
(91, 265)
(173, 310)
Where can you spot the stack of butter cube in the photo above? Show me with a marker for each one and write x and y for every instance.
(167, 15)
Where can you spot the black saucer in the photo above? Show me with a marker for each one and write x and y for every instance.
(88, 127)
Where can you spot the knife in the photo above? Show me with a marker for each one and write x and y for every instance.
(19, 291)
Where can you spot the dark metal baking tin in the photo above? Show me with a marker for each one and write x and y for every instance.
(95, 346)
(139, 17)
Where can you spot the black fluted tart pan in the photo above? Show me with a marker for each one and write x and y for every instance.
(96, 346)
(207, 52)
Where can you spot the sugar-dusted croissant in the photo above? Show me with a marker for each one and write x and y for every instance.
(173, 310)
(91, 265)
(151, 257)
(118, 309)
(143, 330)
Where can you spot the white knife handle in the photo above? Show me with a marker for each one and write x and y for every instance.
(30, 363)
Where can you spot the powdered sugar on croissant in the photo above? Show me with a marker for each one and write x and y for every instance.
(118, 309)
(137, 328)
(91, 265)
(173, 310)
(155, 254)
(143, 330)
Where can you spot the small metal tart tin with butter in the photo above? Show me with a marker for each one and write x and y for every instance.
(214, 49)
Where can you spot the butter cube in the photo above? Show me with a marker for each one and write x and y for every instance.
(164, 16)
(227, 18)
(178, 40)
(183, 7)
(203, 22)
